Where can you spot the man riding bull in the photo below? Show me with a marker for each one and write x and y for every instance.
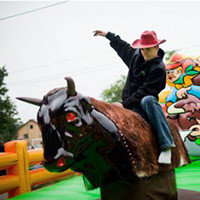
(146, 79)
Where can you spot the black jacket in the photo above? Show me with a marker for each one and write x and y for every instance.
(144, 77)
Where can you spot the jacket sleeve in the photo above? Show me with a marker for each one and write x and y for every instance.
(123, 49)
(153, 85)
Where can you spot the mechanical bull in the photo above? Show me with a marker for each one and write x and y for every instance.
(113, 147)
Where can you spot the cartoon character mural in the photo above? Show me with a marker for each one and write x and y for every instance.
(183, 102)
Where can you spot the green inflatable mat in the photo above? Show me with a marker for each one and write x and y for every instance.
(71, 189)
(188, 177)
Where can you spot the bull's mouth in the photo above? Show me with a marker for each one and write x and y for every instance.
(58, 165)
(191, 138)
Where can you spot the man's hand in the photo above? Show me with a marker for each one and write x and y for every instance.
(100, 33)
(182, 93)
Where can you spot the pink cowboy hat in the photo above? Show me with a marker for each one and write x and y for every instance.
(148, 39)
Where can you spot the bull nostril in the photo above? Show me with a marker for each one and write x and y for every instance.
(61, 162)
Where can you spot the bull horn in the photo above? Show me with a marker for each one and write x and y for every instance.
(37, 102)
(70, 86)
(172, 110)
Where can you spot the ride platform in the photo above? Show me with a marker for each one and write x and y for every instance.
(188, 177)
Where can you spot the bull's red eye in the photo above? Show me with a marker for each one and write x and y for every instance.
(70, 117)
(61, 162)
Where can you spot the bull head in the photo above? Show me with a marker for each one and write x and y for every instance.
(188, 104)
(61, 115)
(187, 113)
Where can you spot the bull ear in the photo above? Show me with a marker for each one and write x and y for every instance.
(37, 102)
(70, 86)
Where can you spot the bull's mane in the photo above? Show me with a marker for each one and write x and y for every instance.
(140, 140)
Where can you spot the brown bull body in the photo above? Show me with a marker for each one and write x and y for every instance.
(141, 141)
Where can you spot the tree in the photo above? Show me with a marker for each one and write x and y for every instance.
(9, 123)
(168, 54)
(113, 94)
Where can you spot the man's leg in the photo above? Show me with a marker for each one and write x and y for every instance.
(160, 126)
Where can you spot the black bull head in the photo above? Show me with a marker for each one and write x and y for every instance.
(67, 121)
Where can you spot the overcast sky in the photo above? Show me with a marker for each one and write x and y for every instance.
(39, 49)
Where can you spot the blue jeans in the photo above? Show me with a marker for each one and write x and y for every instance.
(152, 111)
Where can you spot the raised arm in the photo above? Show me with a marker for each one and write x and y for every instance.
(123, 49)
